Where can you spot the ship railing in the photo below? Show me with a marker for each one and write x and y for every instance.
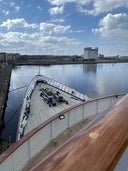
(63, 87)
(26, 98)
(102, 145)
(24, 150)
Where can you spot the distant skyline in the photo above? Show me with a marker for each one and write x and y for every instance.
(64, 27)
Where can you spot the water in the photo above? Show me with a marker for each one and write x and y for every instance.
(93, 79)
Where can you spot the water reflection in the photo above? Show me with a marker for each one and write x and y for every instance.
(93, 80)
(90, 68)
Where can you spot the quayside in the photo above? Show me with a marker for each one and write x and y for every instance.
(23, 152)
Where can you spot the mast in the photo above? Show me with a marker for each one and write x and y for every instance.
(39, 70)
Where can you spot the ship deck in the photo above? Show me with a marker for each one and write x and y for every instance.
(40, 110)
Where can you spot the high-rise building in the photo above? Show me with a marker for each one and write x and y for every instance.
(90, 53)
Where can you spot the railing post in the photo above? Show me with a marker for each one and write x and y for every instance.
(29, 151)
(97, 107)
(82, 111)
(68, 120)
(51, 131)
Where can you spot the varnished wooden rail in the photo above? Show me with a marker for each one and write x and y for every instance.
(96, 148)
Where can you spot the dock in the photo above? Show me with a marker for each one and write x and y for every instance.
(5, 74)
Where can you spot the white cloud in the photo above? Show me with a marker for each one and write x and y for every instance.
(57, 2)
(59, 5)
(48, 28)
(52, 28)
(99, 6)
(115, 21)
(35, 43)
(56, 10)
(5, 12)
(17, 23)
(61, 29)
(14, 5)
(92, 7)
(17, 8)
(39, 8)
(57, 40)
(57, 20)
(63, 2)
(113, 26)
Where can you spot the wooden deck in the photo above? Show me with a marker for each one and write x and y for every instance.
(96, 148)
(40, 110)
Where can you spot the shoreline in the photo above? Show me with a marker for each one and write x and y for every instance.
(65, 62)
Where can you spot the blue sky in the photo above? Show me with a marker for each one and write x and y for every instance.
(64, 27)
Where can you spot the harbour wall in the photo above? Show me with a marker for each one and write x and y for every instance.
(5, 75)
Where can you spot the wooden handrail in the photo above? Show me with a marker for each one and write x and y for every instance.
(96, 148)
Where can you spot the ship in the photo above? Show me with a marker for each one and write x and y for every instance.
(44, 98)
(60, 128)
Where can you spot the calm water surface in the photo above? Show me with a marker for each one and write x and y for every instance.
(94, 80)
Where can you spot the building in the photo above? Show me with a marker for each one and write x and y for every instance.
(101, 56)
(12, 56)
(90, 53)
(124, 57)
(2, 56)
(7, 57)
